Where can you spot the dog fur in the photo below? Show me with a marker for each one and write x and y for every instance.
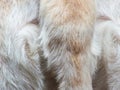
(108, 29)
(67, 28)
(19, 58)
(81, 43)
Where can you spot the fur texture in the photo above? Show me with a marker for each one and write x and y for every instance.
(67, 28)
(81, 46)
(75, 51)
(19, 58)
(108, 29)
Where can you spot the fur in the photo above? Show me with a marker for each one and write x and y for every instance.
(67, 28)
(77, 52)
(19, 58)
(108, 29)
(81, 44)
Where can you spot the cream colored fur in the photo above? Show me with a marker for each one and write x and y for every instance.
(67, 28)
(81, 44)
(76, 51)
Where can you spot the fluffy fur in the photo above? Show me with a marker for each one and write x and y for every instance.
(67, 28)
(19, 59)
(75, 51)
(108, 29)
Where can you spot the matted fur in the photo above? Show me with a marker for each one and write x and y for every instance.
(19, 58)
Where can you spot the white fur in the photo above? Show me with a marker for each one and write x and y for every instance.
(19, 58)
(107, 29)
